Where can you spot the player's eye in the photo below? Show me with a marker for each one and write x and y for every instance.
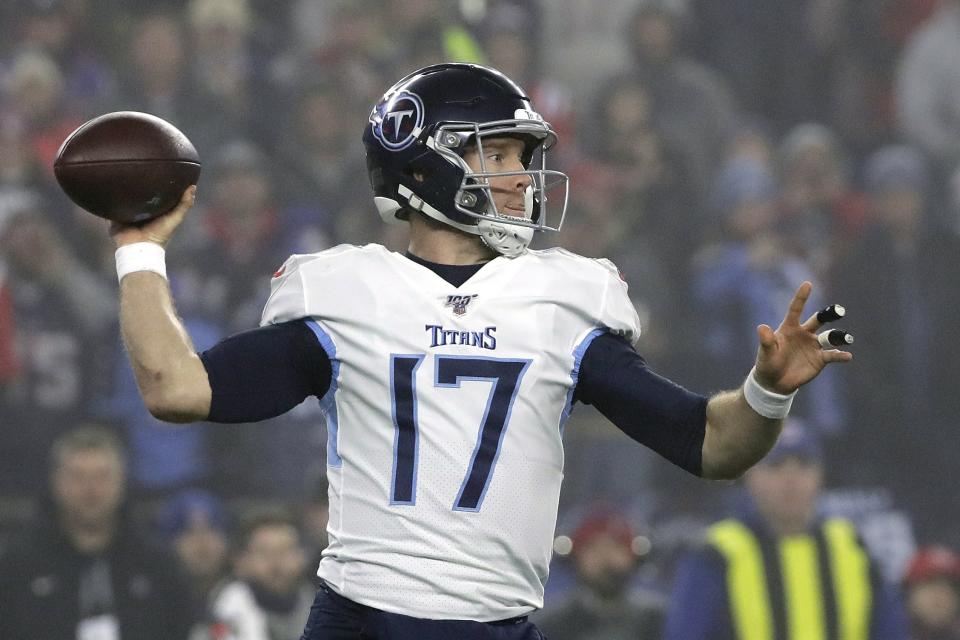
(495, 157)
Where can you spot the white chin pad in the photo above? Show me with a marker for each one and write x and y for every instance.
(506, 239)
(388, 208)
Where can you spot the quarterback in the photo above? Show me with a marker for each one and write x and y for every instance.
(447, 373)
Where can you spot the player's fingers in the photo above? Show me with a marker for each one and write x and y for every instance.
(834, 338)
(825, 315)
(797, 304)
(174, 217)
(186, 200)
(768, 340)
(835, 355)
(161, 228)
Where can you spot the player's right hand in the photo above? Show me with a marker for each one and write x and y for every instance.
(158, 230)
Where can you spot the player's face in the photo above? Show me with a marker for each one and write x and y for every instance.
(88, 486)
(786, 492)
(273, 559)
(502, 155)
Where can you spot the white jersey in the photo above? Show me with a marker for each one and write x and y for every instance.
(445, 419)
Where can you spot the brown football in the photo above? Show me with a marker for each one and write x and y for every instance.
(126, 166)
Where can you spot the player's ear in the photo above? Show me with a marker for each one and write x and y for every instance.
(419, 176)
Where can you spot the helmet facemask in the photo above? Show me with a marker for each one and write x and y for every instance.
(509, 235)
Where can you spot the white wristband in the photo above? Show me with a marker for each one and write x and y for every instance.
(140, 256)
(767, 403)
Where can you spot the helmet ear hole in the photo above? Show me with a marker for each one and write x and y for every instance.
(475, 200)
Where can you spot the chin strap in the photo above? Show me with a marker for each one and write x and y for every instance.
(509, 240)
(506, 239)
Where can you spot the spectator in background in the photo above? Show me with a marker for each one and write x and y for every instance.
(821, 210)
(428, 32)
(752, 141)
(64, 30)
(510, 44)
(36, 97)
(20, 168)
(928, 84)
(606, 555)
(156, 78)
(59, 306)
(237, 240)
(230, 77)
(194, 524)
(792, 61)
(903, 391)
(744, 278)
(16, 177)
(932, 586)
(322, 171)
(222, 65)
(776, 570)
(649, 192)
(84, 572)
(868, 39)
(341, 40)
(271, 597)
(694, 108)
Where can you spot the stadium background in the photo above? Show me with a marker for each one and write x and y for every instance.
(720, 153)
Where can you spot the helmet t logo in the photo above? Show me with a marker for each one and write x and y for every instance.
(397, 118)
(389, 120)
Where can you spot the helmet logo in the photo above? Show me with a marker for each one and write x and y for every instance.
(397, 120)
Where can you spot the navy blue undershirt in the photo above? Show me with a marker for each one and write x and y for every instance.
(455, 274)
(265, 372)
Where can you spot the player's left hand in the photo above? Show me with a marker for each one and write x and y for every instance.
(791, 356)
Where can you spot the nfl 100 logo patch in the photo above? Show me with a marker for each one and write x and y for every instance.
(459, 303)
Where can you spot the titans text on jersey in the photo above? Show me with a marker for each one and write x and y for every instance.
(441, 337)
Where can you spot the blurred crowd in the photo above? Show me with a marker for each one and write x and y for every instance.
(720, 153)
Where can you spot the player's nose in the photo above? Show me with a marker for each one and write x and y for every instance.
(522, 181)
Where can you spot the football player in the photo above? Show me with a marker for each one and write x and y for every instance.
(447, 373)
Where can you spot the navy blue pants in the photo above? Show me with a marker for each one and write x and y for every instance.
(333, 617)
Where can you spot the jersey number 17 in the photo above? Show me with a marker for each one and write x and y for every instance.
(504, 376)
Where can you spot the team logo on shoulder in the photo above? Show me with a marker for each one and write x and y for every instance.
(397, 120)
(459, 303)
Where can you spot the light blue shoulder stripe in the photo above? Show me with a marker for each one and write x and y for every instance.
(575, 374)
(328, 401)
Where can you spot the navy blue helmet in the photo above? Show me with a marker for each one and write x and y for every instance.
(422, 126)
